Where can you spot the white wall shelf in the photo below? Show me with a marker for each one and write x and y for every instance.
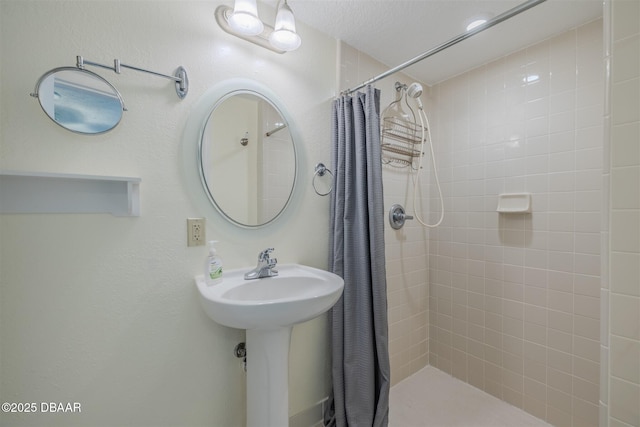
(41, 192)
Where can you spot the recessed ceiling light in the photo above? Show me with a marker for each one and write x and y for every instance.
(475, 24)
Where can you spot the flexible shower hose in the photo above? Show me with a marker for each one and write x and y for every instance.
(435, 171)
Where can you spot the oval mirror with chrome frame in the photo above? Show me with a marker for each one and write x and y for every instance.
(79, 100)
(247, 157)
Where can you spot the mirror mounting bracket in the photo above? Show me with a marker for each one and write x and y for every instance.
(180, 77)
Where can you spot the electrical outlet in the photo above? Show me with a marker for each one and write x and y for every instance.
(195, 232)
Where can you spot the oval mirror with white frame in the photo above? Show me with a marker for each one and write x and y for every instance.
(79, 100)
(247, 158)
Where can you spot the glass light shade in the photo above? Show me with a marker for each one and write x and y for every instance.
(244, 19)
(284, 36)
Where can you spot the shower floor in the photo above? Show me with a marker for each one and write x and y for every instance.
(432, 398)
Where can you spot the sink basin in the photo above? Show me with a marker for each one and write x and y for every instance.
(299, 293)
(268, 308)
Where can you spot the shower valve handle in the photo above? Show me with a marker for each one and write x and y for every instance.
(397, 217)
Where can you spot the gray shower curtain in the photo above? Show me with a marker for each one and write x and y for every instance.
(360, 363)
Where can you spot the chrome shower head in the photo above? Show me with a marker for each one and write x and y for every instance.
(414, 90)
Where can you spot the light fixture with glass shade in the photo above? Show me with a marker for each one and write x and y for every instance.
(244, 18)
(284, 35)
(242, 21)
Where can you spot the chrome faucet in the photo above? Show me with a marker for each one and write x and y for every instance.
(265, 266)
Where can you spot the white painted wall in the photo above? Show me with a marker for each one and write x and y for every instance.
(103, 310)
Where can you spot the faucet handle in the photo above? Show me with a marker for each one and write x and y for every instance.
(264, 255)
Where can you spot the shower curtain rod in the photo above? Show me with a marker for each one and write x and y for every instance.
(490, 23)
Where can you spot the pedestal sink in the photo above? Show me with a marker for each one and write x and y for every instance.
(268, 308)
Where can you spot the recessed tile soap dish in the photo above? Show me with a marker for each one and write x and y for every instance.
(514, 203)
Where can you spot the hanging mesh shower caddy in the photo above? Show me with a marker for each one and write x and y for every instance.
(401, 135)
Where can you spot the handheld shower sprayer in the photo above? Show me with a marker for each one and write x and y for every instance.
(415, 91)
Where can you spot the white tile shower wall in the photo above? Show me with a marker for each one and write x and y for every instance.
(406, 249)
(514, 300)
(407, 283)
(277, 164)
(621, 397)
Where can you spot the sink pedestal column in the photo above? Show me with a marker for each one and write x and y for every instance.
(268, 377)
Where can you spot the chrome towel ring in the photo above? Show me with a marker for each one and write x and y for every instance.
(320, 170)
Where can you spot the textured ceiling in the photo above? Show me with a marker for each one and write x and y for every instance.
(394, 31)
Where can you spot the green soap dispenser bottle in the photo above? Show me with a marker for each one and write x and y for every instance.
(213, 265)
